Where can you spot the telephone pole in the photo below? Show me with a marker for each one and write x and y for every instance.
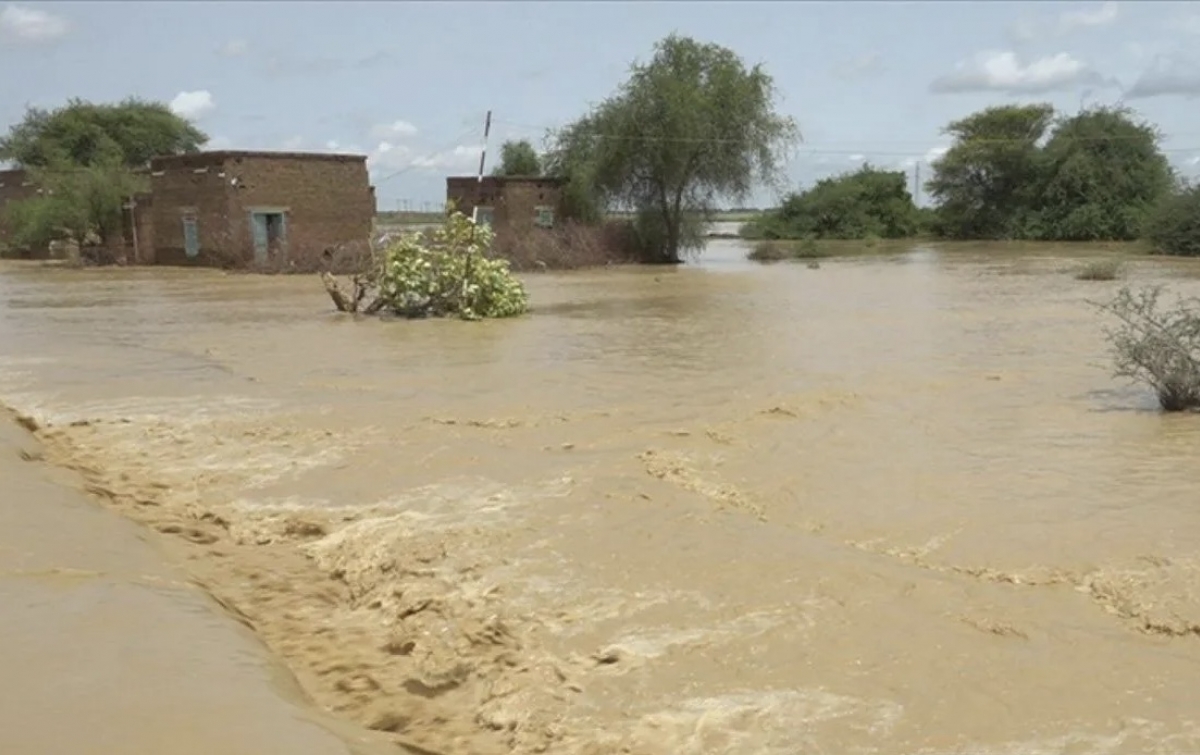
(917, 183)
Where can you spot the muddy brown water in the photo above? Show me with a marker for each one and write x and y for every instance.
(893, 505)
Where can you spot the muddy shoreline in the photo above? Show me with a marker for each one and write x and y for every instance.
(104, 631)
(377, 637)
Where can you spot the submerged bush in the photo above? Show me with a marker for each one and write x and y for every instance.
(439, 273)
(1157, 346)
(1100, 270)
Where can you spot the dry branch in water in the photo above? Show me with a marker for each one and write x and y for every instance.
(1158, 347)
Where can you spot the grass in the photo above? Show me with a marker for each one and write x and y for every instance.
(1100, 270)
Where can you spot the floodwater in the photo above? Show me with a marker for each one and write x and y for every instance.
(894, 505)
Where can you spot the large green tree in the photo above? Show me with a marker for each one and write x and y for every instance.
(987, 182)
(82, 156)
(83, 133)
(1103, 173)
(855, 205)
(518, 158)
(691, 126)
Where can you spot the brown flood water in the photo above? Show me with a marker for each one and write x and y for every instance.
(895, 505)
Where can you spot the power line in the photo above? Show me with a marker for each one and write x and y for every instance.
(819, 150)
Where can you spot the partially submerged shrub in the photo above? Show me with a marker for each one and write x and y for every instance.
(1157, 346)
(438, 273)
(776, 251)
(1100, 270)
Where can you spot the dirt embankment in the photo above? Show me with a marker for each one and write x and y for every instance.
(383, 619)
(106, 648)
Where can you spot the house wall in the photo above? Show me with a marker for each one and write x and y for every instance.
(328, 200)
(190, 185)
(514, 200)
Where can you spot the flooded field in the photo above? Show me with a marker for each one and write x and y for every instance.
(894, 505)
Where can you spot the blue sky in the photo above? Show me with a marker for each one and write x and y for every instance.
(408, 83)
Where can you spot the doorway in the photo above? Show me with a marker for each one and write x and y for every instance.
(269, 229)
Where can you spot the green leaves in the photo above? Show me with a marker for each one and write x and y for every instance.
(82, 133)
(445, 274)
(1095, 177)
(868, 202)
(81, 156)
(518, 158)
(690, 126)
(1173, 224)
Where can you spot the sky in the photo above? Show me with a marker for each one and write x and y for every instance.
(408, 83)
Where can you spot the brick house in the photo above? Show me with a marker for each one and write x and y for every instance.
(511, 205)
(15, 185)
(233, 208)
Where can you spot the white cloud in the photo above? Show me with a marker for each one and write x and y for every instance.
(1004, 71)
(219, 143)
(1103, 15)
(193, 105)
(292, 143)
(931, 155)
(234, 48)
(856, 158)
(1029, 29)
(1169, 75)
(342, 149)
(459, 158)
(860, 67)
(394, 130)
(390, 157)
(31, 26)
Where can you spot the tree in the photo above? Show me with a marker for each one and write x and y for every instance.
(689, 127)
(989, 179)
(518, 158)
(866, 202)
(81, 203)
(82, 133)
(1103, 173)
(1173, 224)
(81, 157)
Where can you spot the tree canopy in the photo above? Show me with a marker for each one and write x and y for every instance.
(518, 158)
(82, 133)
(863, 203)
(988, 181)
(690, 126)
(81, 157)
(1018, 172)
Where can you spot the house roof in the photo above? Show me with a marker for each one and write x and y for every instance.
(509, 179)
(220, 156)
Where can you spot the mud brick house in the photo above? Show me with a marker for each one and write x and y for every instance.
(511, 205)
(252, 209)
(15, 185)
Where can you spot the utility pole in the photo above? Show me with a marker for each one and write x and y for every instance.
(917, 183)
(487, 127)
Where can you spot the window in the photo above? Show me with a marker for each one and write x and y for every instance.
(484, 216)
(544, 217)
(191, 237)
